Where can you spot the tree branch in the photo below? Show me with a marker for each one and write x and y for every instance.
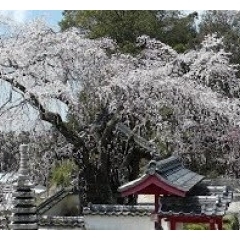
(7, 101)
(54, 118)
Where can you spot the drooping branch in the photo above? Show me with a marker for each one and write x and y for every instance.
(54, 118)
(9, 99)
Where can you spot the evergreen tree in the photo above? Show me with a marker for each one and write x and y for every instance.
(171, 27)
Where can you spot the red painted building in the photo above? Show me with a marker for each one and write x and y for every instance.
(181, 195)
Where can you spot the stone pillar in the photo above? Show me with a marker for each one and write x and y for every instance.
(24, 215)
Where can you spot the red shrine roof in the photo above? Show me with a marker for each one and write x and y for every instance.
(167, 177)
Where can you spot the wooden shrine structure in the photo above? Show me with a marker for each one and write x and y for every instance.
(180, 194)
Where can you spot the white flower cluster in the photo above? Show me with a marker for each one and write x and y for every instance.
(165, 96)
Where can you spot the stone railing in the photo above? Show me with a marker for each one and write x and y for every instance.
(53, 200)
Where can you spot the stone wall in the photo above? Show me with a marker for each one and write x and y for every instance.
(105, 222)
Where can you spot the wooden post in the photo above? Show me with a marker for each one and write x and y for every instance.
(156, 203)
(220, 224)
(172, 224)
(212, 224)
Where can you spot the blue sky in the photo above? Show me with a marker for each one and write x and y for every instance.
(52, 16)
(21, 16)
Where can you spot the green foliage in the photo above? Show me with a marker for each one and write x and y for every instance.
(129, 47)
(191, 226)
(180, 48)
(166, 113)
(62, 174)
(178, 30)
(171, 27)
(123, 26)
(225, 24)
(231, 222)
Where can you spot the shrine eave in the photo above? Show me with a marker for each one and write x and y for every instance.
(151, 184)
(166, 177)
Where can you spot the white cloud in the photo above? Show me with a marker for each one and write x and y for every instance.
(17, 15)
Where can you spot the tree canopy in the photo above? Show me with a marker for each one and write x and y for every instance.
(183, 103)
(225, 24)
(171, 27)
